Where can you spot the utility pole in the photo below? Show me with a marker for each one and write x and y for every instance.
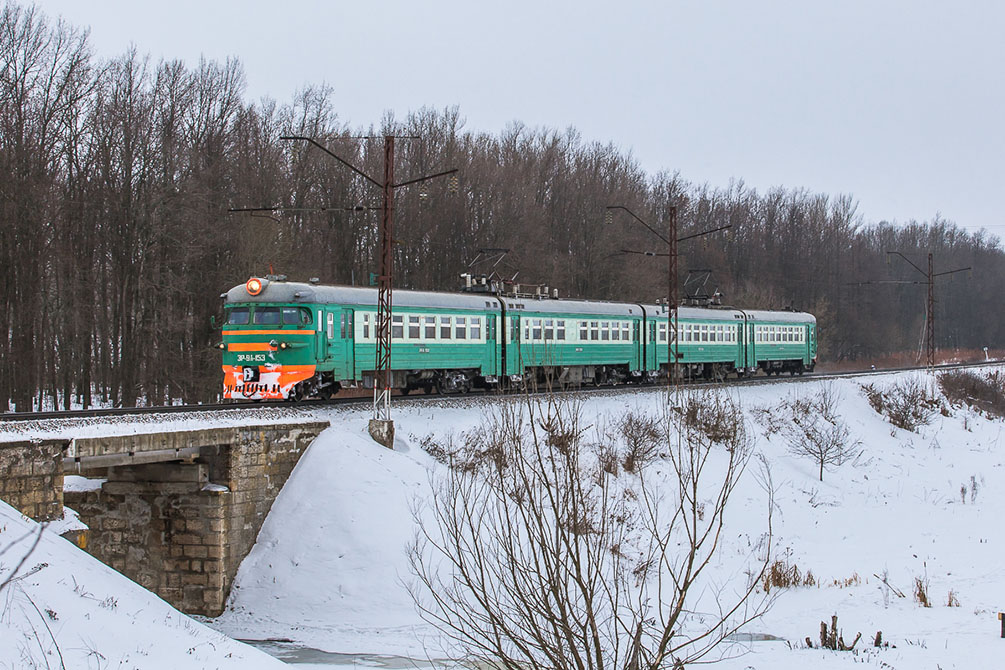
(381, 425)
(673, 291)
(929, 281)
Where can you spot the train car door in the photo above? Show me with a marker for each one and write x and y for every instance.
(322, 340)
(514, 355)
(348, 331)
(637, 351)
(751, 348)
(331, 343)
(492, 345)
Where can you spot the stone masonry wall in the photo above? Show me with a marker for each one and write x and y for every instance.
(181, 530)
(31, 477)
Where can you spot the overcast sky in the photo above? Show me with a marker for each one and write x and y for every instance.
(898, 102)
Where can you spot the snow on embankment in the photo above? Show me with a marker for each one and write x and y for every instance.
(330, 565)
(63, 608)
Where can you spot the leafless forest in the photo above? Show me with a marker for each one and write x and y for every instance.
(116, 241)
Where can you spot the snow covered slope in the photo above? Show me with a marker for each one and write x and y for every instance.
(63, 608)
(330, 566)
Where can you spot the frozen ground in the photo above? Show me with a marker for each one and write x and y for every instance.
(60, 608)
(329, 568)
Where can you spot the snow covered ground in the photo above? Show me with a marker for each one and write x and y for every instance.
(63, 609)
(329, 569)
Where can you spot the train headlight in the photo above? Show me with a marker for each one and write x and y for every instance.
(221, 346)
(254, 286)
(282, 345)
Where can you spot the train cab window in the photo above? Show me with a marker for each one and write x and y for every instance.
(460, 328)
(429, 323)
(413, 327)
(594, 330)
(560, 329)
(296, 316)
(266, 316)
(476, 328)
(549, 329)
(445, 328)
(238, 316)
(397, 326)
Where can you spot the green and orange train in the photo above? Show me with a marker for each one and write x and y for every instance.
(291, 340)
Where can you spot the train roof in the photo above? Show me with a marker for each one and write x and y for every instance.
(554, 306)
(733, 313)
(298, 292)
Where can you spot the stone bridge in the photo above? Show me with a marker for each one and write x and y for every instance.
(177, 512)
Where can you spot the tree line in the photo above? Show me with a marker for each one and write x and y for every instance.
(116, 178)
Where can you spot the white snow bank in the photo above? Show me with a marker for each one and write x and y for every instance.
(330, 566)
(63, 608)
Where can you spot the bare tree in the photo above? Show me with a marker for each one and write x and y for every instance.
(539, 556)
(818, 432)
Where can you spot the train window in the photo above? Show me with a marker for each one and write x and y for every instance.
(397, 326)
(476, 328)
(616, 331)
(413, 327)
(342, 326)
(444, 327)
(535, 329)
(291, 316)
(582, 331)
(430, 327)
(460, 328)
(549, 329)
(594, 330)
(626, 331)
(330, 318)
(366, 325)
(605, 330)
(238, 316)
(662, 332)
(560, 329)
(267, 316)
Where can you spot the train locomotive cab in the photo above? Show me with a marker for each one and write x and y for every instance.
(268, 343)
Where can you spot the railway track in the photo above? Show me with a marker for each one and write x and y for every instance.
(313, 404)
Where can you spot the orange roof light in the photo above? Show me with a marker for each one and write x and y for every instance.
(254, 286)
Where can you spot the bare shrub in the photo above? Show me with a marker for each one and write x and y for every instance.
(715, 416)
(907, 404)
(984, 392)
(549, 560)
(816, 430)
(921, 591)
(952, 600)
(643, 436)
(781, 574)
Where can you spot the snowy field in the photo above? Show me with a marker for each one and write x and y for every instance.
(329, 570)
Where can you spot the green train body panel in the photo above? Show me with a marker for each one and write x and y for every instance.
(290, 332)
